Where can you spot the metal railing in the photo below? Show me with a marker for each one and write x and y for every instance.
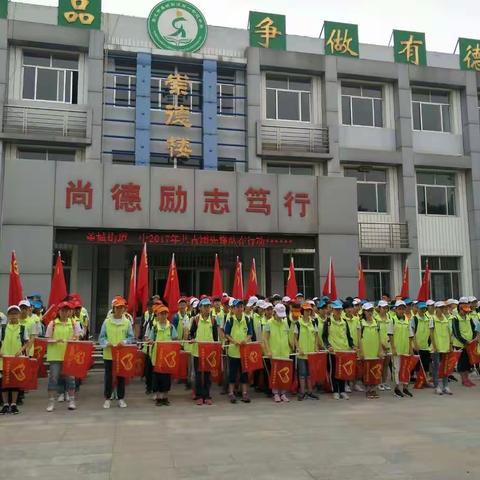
(307, 138)
(29, 120)
(383, 235)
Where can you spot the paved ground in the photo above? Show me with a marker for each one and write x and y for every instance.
(427, 437)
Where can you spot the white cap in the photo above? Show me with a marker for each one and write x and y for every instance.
(193, 300)
(310, 302)
(260, 304)
(252, 301)
(400, 303)
(24, 303)
(367, 306)
(472, 299)
(13, 307)
(286, 299)
(280, 310)
(230, 302)
(430, 302)
(195, 303)
(440, 304)
(267, 305)
(356, 301)
(225, 294)
(452, 301)
(463, 300)
(382, 303)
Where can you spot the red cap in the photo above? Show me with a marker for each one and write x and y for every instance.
(119, 301)
(65, 305)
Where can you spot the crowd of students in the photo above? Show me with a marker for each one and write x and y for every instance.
(287, 329)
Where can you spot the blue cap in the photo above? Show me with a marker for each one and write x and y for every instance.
(205, 301)
(322, 304)
(421, 305)
(37, 304)
(337, 305)
(237, 302)
(35, 294)
(408, 301)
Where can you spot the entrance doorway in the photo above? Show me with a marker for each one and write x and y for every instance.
(192, 281)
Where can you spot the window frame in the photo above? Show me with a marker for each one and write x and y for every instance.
(190, 95)
(131, 103)
(440, 105)
(300, 271)
(363, 85)
(375, 183)
(433, 271)
(446, 189)
(220, 97)
(289, 165)
(381, 272)
(48, 151)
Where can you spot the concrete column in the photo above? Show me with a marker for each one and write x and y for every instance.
(3, 99)
(142, 109)
(276, 272)
(407, 178)
(209, 115)
(85, 276)
(331, 117)
(254, 108)
(116, 273)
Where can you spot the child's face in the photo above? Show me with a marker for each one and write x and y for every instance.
(13, 317)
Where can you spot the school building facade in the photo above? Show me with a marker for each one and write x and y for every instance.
(199, 139)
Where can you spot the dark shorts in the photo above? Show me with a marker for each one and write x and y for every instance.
(234, 370)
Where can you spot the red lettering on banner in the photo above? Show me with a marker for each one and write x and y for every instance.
(127, 197)
(302, 199)
(173, 199)
(258, 201)
(216, 202)
(79, 194)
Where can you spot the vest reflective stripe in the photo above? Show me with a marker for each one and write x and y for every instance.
(370, 338)
(441, 333)
(401, 335)
(61, 331)
(306, 337)
(163, 334)
(337, 335)
(465, 330)
(278, 340)
(204, 333)
(115, 333)
(12, 342)
(423, 333)
(238, 333)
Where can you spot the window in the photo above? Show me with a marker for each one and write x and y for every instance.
(371, 189)
(50, 77)
(436, 193)
(33, 153)
(290, 169)
(362, 105)
(304, 271)
(288, 98)
(161, 96)
(226, 164)
(444, 276)
(123, 157)
(376, 269)
(225, 99)
(125, 90)
(431, 110)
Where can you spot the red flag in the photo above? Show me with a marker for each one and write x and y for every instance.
(124, 357)
(421, 379)
(317, 367)
(362, 286)
(407, 364)
(237, 290)
(251, 356)
(39, 348)
(252, 287)
(209, 356)
(473, 352)
(281, 374)
(15, 290)
(405, 291)
(217, 288)
(49, 315)
(291, 289)
(424, 292)
(58, 289)
(167, 358)
(132, 289)
(330, 287)
(359, 369)
(139, 364)
(183, 360)
(77, 359)
(447, 365)
(172, 287)
(142, 281)
(345, 365)
(20, 373)
(372, 371)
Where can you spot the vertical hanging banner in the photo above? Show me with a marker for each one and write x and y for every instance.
(267, 30)
(3, 8)
(409, 47)
(80, 13)
(341, 39)
(469, 54)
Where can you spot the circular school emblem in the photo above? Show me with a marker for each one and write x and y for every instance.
(177, 25)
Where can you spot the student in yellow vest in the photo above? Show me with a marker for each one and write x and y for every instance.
(116, 329)
(441, 345)
(14, 341)
(28, 321)
(337, 338)
(351, 309)
(277, 343)
(147, 324)
(463, 330)
(401, 341)
(422, 324)
(383, 319)
(306, 341)
(59, 332)
(162, 331)
(204, 328)
(369, 341)
(238, 331)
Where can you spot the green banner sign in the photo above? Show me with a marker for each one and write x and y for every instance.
(341, 39)
(3, 8)
(267, 30)
(80, 13)
(469, 54)
(409, 47)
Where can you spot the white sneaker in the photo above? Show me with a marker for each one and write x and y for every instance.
(106, 404)
(51, 405)
(71, 404)
(122, 403)
(61, 398)
(447, 391)
(345, 396)
(386, 386)
(348, 389)
(358, 388)
(381, 387)
(336, 396)
(439, 391)
(67, 397)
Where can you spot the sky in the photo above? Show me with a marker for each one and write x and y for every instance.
(443, 21)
